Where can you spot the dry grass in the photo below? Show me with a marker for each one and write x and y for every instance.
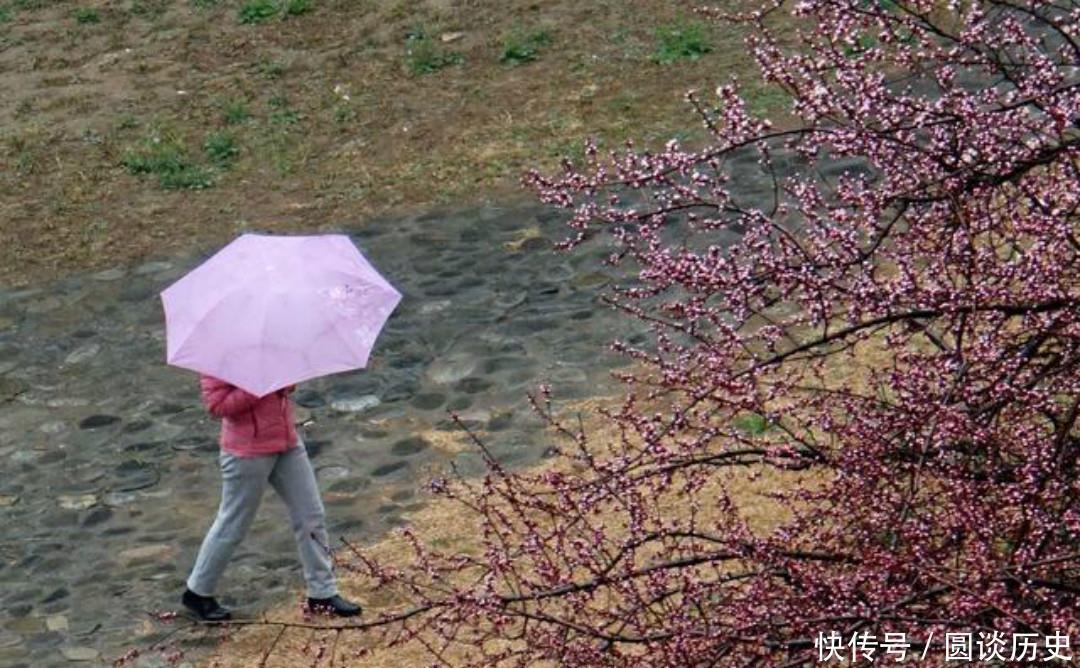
(331, 125)
(444, 525)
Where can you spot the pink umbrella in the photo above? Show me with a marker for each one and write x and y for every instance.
(269, 311)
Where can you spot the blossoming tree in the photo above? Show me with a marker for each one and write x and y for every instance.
(891, 320)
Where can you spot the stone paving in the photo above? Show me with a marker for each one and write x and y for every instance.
(109, 460)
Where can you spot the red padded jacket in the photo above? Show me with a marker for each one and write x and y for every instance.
(250, 425)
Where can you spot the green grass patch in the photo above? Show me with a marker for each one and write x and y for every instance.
(424, 56)
(204, 4)
(344, 113)
(235, 113)
(221, 148)
(681, 41)
(26, 154)
(86, 15)
(261, 11)
(150, 9)
(752, 424)
(169, 162)
(523, 47)
(271, 69)
(285, 117)
(258, 11)
(5, 14)
(281, 114)
(298, 7)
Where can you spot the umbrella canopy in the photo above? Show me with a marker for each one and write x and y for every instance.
(269, 311)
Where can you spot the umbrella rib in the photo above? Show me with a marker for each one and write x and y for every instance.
(262, 336)
(265, 312)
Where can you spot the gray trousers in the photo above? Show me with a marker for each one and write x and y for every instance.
(243, 480)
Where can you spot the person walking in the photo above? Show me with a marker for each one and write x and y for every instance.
(260, 445)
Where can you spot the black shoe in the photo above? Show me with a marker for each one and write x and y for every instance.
(205, 607)
(334, 605)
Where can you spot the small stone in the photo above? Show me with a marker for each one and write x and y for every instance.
(11, 387)
(386, 415)
(56, 623)
(472, 385)
(403, 390)
(95, 421)
(79, 653)
(97, 516)
(535, 243)
(133, 475)
(387, 469)
(109, 274)
(155, 494)
(24, 457)
(448, 37)
(53, 427)
(476, 415)
(167, 409)
(510, 300)
(350, 485)
(409, 446)
(435, 306)
(450, 369)
(77, 502)
(152, 267)
(355, 404)
(147, 553)
(137, 426)
(67, 402)
(459, 403)
(429, 400)
(120, 498)
(82, 353)
(332, 472)
(24, 626)
(590, 280)
(8, 500)
(190, 443)
(338, 498)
